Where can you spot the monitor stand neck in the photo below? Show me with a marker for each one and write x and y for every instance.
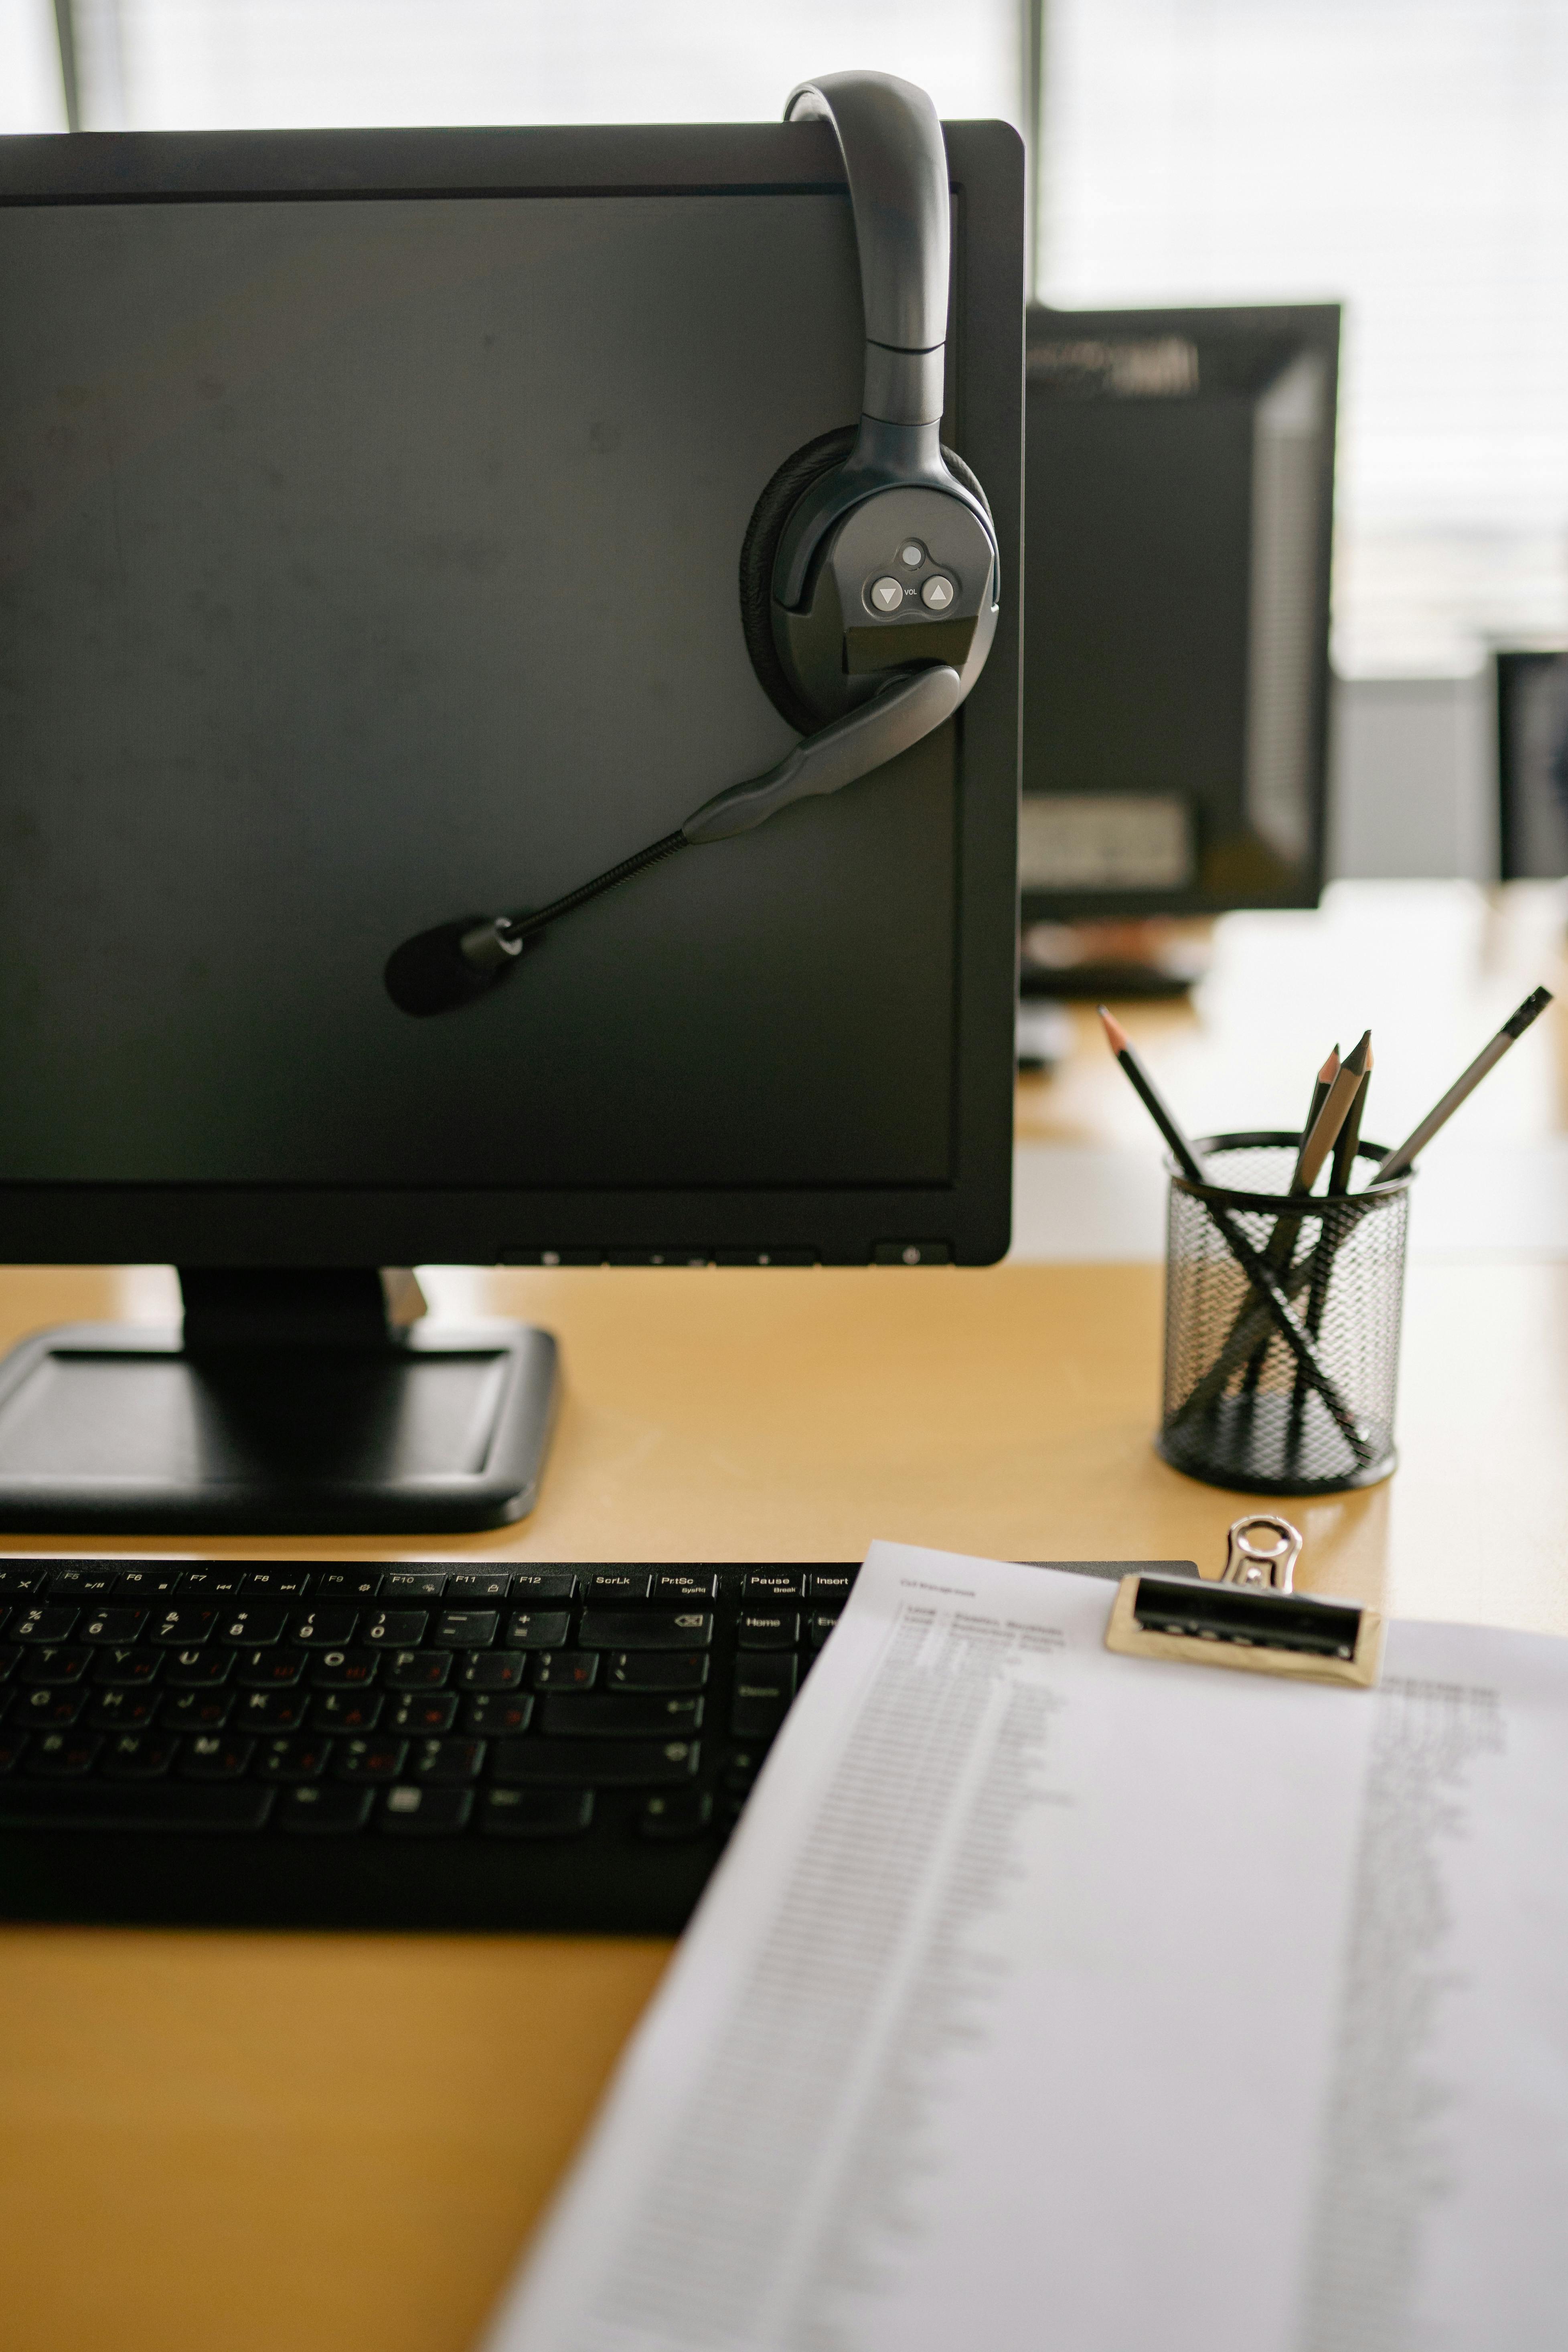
(296, 1306)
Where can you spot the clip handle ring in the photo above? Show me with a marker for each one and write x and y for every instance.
(1269, 1566)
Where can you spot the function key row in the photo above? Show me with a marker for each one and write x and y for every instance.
(606, 1587)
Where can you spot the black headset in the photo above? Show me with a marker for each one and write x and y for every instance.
(869, 575)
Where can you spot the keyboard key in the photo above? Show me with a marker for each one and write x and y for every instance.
(197, 1669)
(495, 1713)
(129, 1669)
(330, 1627)
(465, 1629)
(305, 1757)
(479, 1584)
(612, 1763)
(63, 1755)
(820, 1626)
(281, 1710)
(425, 1812)
(565, 1669)
(543, 1584)
(764, 1685)
(639, 1629)
(196, 1710)
(68, 1665)
(534, 1813)
(688, 1588)
(12, 1744)
(414, 1584)
(680, 1814)
(320, 1809)
(446, 1760)
(253, 1622)
(491, 1669)
(438, 1711)
(539, 1629)
(82, 1580)
(133, 1804)
(416, 1670)
(399, 1629)
(832, 1583)
(342, 1710)
(610, 1715)
(49, 1622)
(349, 1584)
(122, 1710)
(277, 1583)
(113, 1626)
(608, 1585)
(10, 1657)
(138, 1756)
(51, 1709)
(216, 1581)
(343, 1669)
(184, 1622)
(369, 1759)
(775, 1631)
(266, 1669)
(216, 1756)
(657, 1670)
(773, 1584)
(18, 1581)
(145, 1583)
(741, 1767)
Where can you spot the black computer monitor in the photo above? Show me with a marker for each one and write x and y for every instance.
(371, 509)
(1532, 765)
(1179, 493)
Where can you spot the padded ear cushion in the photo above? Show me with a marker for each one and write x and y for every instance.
(760, 548)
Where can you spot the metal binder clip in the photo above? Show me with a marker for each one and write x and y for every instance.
(1247, 1563)
(1248, 1616)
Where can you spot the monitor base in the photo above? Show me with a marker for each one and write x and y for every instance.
(111, 1429)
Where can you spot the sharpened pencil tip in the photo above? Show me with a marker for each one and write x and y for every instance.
(1114, 1030)
(1331, 1068)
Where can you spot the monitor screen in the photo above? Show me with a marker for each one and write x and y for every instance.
(1179, 487)
(1532, 765)
(368, 552)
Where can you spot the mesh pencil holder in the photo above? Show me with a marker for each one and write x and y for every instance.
(1247, 1404)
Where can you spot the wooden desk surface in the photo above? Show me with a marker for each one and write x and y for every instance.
(336, 2144)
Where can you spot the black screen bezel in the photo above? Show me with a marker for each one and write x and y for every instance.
(967, 1218)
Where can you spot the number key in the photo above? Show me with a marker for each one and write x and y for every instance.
(113, 1625)
(47, 1622)
(402, 1629)
(183, 1622)
(328, 1628)
(258, 1621)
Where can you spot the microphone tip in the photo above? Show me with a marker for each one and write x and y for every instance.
(435, 972)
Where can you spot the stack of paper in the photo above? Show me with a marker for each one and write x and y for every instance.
(1047, 2001)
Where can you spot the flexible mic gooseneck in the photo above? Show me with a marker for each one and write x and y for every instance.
(452, 965)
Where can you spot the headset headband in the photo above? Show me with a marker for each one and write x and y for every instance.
(896, 163)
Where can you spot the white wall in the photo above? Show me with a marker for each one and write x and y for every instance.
(1412, 779)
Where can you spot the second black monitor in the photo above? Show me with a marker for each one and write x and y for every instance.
(1179, 496)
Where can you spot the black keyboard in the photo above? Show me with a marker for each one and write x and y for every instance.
(553, 1748)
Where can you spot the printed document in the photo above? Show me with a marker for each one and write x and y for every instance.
(1051, 2000)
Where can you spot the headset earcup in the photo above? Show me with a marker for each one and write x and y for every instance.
(769, 516)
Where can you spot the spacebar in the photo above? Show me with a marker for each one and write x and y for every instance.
(133, 1805)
